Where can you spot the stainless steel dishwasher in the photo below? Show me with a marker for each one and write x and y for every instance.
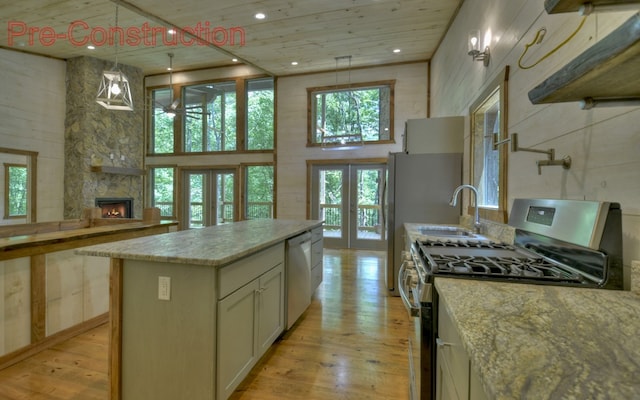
(298, 276)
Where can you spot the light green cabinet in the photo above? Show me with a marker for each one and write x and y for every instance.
(455, 379)
(317, 244)
(250, 316)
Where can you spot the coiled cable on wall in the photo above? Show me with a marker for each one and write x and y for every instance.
(538, 39)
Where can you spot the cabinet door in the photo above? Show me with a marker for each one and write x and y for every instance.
(453, 363)
(271, 308)
(237, 327)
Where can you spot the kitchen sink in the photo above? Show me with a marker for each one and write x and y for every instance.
(446, 231)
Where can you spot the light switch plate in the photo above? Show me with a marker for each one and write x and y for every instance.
(164, 288)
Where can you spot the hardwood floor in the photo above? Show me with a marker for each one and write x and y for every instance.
(350, 344)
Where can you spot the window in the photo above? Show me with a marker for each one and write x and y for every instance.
(260, 114)
(16, 190)
(351, 110)
(259, 189)
(161, 123)
(488, 160)
(163, 191)
(209, 117)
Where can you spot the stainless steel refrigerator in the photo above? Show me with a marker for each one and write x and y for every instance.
(420, 183)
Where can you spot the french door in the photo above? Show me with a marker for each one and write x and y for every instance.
(349, 198)
(209, 197)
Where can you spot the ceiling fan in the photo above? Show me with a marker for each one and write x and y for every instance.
(173, 107)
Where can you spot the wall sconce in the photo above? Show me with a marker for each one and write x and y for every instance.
(475, 44)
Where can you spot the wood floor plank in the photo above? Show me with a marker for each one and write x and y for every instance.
(350, 344)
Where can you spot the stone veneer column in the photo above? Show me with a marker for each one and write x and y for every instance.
(92, 133)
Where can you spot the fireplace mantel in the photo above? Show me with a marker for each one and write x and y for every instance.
(117, 170)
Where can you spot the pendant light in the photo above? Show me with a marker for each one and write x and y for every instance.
(114, 92)
(347, 138)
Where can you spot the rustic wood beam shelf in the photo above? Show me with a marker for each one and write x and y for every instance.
(565, 6)
(117, 170)
(608, 70)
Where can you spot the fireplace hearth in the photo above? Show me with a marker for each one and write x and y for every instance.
(115, 207)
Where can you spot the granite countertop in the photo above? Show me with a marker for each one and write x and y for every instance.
(547, 342)
(212, 246)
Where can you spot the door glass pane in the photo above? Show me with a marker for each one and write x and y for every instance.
(224, 198)
(369, 214)
(330, 201)
(163, 190)
(196, 200)
(259, 192)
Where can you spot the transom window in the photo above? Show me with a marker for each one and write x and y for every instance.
(351, 112)
(207, 117)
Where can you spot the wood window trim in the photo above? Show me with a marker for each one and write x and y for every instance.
(492, 214)
(310, 90)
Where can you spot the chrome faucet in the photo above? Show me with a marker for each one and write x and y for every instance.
(454, 199)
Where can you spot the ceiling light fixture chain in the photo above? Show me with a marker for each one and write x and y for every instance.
(114, 92)
(347, 138)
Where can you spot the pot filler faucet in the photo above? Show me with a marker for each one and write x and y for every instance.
(454, 200)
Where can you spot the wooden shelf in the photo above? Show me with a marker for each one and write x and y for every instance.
(117, 170)
(564, 6)
(608, 70)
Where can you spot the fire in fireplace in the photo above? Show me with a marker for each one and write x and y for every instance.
(115, 207)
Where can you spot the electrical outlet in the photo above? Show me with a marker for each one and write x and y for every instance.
(164, 288)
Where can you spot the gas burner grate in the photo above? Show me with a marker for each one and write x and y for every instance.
(475, 244)
(499, 267)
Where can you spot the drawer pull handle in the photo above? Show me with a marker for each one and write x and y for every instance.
(442, 343)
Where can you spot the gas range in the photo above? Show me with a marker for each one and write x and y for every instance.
(558, 242)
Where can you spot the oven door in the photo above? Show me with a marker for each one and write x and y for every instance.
(408, 288)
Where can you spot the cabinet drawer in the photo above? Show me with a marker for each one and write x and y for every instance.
(316, 234)
(237, 274)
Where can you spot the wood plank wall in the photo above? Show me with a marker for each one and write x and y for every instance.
(603, 143)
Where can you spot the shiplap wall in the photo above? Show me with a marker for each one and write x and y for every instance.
(292, 153)
(604, 143)
(32, 111)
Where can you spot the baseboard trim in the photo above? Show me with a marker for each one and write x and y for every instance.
(23, 353)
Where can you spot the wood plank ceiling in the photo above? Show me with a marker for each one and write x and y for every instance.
(310, 32)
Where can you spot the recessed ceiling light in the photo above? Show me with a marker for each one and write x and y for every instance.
(91, 47)
(294, 63)
(396, 50)
(260, 15)
(171, 31)
(234, 59)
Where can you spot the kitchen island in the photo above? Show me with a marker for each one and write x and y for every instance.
(546, 342)
(193, 311)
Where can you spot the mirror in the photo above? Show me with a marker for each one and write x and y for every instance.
(489, 151)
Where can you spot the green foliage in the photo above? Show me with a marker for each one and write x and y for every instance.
(18, 190)
(350, 111)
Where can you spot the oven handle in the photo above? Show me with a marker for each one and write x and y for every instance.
(413, 311)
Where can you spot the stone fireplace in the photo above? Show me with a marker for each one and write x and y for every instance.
(115, 207)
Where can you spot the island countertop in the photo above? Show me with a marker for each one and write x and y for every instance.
(211, 246)
(547, 342)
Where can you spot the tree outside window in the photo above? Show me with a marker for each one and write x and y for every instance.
(260, 114)
(350, 110)
(16, 190)
(260, 189)
(163, 191)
